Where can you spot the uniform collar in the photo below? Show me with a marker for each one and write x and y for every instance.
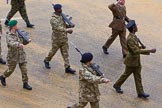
(11, 33)
(87, 67)
(54, 15)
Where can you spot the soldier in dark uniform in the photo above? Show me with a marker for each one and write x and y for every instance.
(18, 5)
(132, 62)
(118, 26)
(16, 55)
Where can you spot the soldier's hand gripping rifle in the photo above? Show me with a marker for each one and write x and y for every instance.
(24, 35)
(95, 67)
(139, 41)
(66, 18)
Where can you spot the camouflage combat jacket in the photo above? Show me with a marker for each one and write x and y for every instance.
(88, 85)
(15, 54)
(58, 27)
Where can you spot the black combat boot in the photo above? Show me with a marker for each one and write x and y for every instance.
(3, 80)
(144, 95)
(118, 89)
(6, 22)
(47, 65)
(70, 70)
(27, 86)
(2, 61)
(105, 50)
(29, 25)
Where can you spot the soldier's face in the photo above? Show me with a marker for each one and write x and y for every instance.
(121, 2)
(15, 27)
(59, 11)
(135, 29)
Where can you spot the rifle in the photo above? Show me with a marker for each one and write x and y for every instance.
(65, 18)
(24, 35)
(139, 41)
(94, 67)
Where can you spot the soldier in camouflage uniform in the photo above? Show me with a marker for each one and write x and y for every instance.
(18, 5)
(16, 55)
(132, 62)
(1, 60)
(59, 39)
(88, 84)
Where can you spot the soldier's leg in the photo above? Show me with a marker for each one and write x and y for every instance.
(94, 104)
(110, 40)
(80, 105)
(23, 72)
(123, 77)
(24, 76)
(138, 80)
(10, 70)
(52, 52)
(65, 54)
(123, 42)
(12, 12)
(23, 13)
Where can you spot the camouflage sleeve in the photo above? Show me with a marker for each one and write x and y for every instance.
(11, 41)
(88, 76)
(56, 25)
(135, 49)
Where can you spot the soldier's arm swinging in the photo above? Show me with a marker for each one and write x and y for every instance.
(137, 50)
(88, 76)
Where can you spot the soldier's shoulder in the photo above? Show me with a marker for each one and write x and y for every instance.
(9, 34)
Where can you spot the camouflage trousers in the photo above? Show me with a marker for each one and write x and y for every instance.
(11, 68)
(64, 48)
(21, 9)
(83, 104)
(122, 36)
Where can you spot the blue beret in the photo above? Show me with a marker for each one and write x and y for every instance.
(57, 6)
(12, 23)
(86, 57)
(131, 24)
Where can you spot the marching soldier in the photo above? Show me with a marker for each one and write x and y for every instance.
(59, 39)
(18, 5)
(88, 84)
(1, 60)
(16, 55)
(118, 26)
(132, 62)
